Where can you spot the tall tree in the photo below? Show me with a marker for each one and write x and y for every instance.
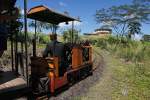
(42, 25)
(70, 36)
(134, 27)
(120, 18)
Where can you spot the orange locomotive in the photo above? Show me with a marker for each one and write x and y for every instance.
(50, 74)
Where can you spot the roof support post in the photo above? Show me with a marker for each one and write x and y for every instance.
(25, 30)
(34, 40)
(72, 36)
(16, 51)
(54, 28)
(12, 53)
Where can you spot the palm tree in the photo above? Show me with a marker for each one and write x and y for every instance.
(40, 26)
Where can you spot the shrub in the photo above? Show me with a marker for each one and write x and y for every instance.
(43, 39)
(128, 49)
(102, 43)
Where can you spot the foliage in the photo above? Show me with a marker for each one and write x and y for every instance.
(70, 35)
(134, 51)
(42, 26)
(43, 39)
(121, 80)
(15, 25)
(124, 17)
(134, 27)
(129, 68)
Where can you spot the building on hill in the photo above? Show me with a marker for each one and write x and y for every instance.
(146, 37)
(101, 32)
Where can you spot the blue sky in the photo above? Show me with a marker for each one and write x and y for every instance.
(85, 9)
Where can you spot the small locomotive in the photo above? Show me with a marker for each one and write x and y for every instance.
(50, 74)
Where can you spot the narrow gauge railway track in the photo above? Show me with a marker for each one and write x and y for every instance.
(98, 59)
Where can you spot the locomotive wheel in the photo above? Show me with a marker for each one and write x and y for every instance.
(33, 89)
(90, 72)
(82, 74)
(71, 79)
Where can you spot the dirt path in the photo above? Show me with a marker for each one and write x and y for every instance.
(103, 88)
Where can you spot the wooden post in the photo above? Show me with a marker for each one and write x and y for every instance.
(72, 37)
(16, 51)
(12, 54)
(26, 34)
(34, 41)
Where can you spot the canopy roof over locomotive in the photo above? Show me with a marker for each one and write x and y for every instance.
(44, 14)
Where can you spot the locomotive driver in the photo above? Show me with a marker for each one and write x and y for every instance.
(54, 48)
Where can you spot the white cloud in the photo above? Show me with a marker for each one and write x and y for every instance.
(22, 11)
(137, 37)
(76, 23)
(62, 4)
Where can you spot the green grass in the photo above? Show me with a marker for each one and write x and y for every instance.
(121, 81)
(129, 50)
(41, 46)
(131, 79)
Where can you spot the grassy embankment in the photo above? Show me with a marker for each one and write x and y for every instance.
(126, 75)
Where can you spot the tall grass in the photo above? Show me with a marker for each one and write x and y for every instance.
(134, 51)
(133, 73)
